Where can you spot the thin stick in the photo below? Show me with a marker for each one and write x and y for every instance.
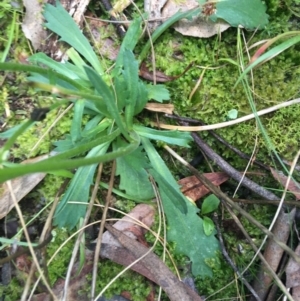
(36, 262)
(261, 257)
(101, 230)
(229, 260)
(216, 190)
(138, 259)
(46, 229)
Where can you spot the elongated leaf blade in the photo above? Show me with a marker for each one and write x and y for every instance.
(77, 120)
(67, 215)
(60, 22)
(270, 54)
(108, 98)
(42, 58)
(170, 137)
(163, 176)
(47, 73)
(130, 73)
(129, 42)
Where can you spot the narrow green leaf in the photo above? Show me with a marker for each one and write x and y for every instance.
(60, 22)
(97, 128)
(47, 73)
(122, 92)
(170, 137)
(108, 98)
(77, 120)
(10, 36)
(131, 93)
(133, 34)
(62, 161)
(161, 29)
(130, 73)
(13, 241)
(173, 193)
(9, 143)
(67, 215)
(142, 97)
(124, 195)
(42, 58)
(270, 54)
(10, 132)
(129, 42)
(163, 176)
(62, 173)
(76, 59)
(94, 102)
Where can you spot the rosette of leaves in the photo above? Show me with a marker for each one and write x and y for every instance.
(112, 101)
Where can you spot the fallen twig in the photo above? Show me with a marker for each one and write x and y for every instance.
(175, 289)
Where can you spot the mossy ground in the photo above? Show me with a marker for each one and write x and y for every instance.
(274, 82)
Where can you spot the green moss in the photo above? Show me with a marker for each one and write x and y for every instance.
(13, 291)
(241, 254)
(50, 186)
(222, 275)
(274, 82)
(58, 267)
(27, 140)
(130, 282)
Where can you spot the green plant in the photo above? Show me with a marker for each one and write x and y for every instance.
(111, 100)
(209, 205)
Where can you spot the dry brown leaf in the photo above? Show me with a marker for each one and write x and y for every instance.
(106, 46)
(293, 271)
(199, 26)
(160, 273)
(194, 189)
(21, 187)
(143, 213)
(293, 185)
(33, 22)
(293, 276)
(160, 107)
(154, 8)
(160, 77)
